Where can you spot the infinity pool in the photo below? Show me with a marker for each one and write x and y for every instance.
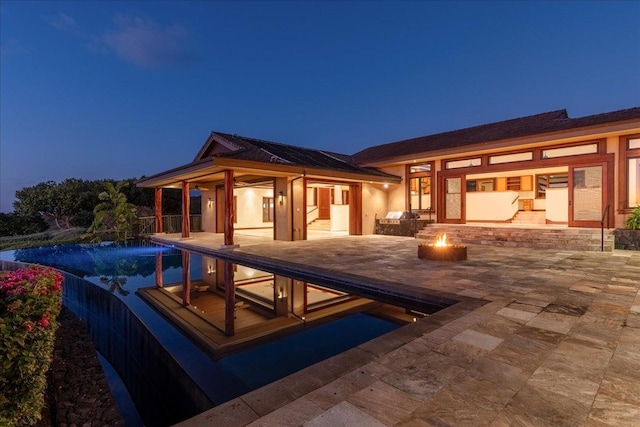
(124, 326)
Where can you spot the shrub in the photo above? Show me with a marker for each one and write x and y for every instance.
(30, 300)
(12, 224)
(633, 222)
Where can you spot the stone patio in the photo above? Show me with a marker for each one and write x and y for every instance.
(541, 338)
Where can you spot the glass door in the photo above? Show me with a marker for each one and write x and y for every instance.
(587, 194)
(453, 200)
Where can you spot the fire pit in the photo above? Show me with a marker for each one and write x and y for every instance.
(442, 251)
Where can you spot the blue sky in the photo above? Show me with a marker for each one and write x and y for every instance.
(123, 89)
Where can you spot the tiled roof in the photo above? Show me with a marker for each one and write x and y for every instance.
(516, 128)
(273, 152)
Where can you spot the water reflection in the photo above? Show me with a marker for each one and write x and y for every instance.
(230, 307)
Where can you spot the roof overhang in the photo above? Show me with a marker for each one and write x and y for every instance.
(212, 168)
(590, 132)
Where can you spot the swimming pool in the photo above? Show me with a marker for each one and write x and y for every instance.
(124, 326)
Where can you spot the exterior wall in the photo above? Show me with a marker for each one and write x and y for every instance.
(397, 193)
(249, 205)
(374, 204)
(282, 212)
(208, 210)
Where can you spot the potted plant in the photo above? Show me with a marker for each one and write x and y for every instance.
(629, 237)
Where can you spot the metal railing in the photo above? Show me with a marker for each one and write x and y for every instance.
(170, 224)
(605, 213)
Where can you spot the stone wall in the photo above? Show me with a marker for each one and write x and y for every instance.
(627, 239)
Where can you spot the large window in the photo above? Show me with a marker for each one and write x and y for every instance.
(420, 187)
(267, 209)
(549, 181)
(632, 151)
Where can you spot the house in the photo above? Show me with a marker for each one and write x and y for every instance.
(567, 171)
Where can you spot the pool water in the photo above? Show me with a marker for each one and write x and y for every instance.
(122, 270)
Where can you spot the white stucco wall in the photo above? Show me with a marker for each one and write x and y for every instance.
(557, 202)
(208, 210)
(249, 213)
(374, 203)
(491, 205)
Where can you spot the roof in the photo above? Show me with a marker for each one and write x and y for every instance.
(262, 151)
(552, 121)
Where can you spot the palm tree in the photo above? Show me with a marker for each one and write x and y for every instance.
(113, 215)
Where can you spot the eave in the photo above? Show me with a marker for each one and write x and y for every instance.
(575, 134)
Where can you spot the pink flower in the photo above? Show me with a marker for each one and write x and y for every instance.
(28, 326)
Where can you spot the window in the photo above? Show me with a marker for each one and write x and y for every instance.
(267, 209)
(576, 150)
(633, 171)
(466, 163)
(485, 184)
(420, 187)
(508, 158)
(549, 181)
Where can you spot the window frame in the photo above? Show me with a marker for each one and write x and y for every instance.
(626, 153)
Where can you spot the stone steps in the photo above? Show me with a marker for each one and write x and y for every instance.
(320, 225)
(585, 239)
(530, 217)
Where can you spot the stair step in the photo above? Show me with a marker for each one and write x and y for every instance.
(539, 238)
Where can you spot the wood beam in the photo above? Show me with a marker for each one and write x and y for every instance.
(229, 300)
(159, 282)
(186, 201)
(158, 209)
(228, 208)
(186, 278)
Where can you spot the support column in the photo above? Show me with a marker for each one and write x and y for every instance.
(186, 202)
(186, 278)
(159, 282)
(229, 300)
(228, 208)
(355, 209)
(158, 208)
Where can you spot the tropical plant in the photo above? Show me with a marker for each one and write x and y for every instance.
(114, 215)
(633, 221)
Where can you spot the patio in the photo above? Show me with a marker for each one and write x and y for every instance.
(542, 337)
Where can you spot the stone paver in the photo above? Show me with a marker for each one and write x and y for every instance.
(540, 337)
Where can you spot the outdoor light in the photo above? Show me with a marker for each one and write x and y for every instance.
(280, 198)
(209, 202)
(386, 185)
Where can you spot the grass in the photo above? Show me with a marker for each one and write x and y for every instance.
(46, 238)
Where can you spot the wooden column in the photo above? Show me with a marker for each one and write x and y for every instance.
(186, 278)
(158, 206)
(228, 208)
(159, 282)
(186, 223)
(229, 300)
(355, 209)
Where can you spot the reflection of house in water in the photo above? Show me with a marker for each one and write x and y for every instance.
(262, 306)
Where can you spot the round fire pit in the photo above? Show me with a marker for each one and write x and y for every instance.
(442, 252)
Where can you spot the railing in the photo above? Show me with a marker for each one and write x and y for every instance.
(605, 213)
(170, 224)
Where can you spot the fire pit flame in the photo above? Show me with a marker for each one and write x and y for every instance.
(442, 251)
(441, 241)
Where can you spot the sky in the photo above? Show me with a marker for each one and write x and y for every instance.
(115, 89)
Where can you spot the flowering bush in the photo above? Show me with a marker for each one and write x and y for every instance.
(30, 300)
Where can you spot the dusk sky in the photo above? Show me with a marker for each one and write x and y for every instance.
(100, 89)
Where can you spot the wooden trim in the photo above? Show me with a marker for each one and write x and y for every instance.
(229, 299)
(304, 206)
(159, 281)
(355, 210)
(624, 154)
(186, 278)
(186, 202)
(228, 207)
(158, 209)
